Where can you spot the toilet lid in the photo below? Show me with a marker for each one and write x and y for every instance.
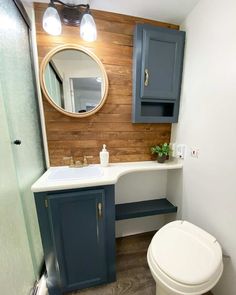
(186, 253)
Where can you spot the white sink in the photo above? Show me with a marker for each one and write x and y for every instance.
(68, 174)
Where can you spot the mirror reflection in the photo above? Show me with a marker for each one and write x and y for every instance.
(74, 81)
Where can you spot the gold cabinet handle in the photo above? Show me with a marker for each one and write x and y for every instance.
(146, 77)
(99, 210)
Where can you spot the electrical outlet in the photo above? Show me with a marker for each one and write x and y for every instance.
(194, 153)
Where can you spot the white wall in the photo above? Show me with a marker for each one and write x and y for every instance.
(207, 187)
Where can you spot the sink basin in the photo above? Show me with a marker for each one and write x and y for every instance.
(67, 174)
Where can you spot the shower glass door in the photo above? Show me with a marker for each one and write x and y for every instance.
(22, 160)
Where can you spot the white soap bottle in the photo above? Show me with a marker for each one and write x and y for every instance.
(104, 157)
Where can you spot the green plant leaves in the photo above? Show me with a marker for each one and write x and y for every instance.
(161, 150)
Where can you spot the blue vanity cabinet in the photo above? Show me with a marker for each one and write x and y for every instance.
(78, 235)
(157, 72)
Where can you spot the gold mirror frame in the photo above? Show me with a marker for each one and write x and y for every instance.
(43, 84)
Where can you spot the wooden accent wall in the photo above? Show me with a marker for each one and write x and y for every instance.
(112, 124)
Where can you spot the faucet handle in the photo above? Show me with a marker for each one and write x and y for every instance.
(69, 159)
(86, 160)
(78, 164)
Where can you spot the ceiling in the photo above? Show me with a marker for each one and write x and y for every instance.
(171, 11)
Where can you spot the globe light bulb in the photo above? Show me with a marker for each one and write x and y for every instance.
(88, 30)
(51, 21)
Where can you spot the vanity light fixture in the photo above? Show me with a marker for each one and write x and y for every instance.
(69, 14)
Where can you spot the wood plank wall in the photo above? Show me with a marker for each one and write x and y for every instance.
(112, 124)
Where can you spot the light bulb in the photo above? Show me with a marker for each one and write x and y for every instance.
(51, 21)
(88, 30)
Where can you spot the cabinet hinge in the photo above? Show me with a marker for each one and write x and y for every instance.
(46, 203)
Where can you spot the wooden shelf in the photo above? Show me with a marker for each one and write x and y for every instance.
(144, 208)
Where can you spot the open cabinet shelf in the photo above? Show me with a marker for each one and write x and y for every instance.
(144, 208)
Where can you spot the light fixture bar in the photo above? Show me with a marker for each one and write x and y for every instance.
(70, 14)
(70, 5)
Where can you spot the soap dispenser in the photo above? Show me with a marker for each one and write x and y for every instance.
(104, 157)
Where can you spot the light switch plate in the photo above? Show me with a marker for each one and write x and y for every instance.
(181, 151)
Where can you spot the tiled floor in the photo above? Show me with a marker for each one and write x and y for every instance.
(133, 275)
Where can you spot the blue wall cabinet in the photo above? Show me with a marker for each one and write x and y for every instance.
(78, 235)
(157, 72)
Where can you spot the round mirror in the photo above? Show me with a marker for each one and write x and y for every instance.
(74, 80)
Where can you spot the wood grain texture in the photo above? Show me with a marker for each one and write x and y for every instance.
(133, 274)
(112, 124)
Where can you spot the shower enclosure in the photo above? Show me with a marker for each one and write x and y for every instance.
(21, 154)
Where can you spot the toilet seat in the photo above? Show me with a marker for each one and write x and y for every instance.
(185, 258)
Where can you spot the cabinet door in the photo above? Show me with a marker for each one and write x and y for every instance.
(77, 228)
(162, 56)
(157, 73)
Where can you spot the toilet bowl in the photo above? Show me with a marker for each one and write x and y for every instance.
(184, 259)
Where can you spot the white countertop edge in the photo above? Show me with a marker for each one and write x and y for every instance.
(111, 175)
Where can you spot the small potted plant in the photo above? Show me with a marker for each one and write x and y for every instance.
(162, 151)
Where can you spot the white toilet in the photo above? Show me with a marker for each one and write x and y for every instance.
(184, 259)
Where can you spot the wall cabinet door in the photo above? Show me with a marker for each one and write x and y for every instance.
(158, 59)
(78, 235)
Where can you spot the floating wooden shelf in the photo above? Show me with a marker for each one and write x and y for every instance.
(144, 208)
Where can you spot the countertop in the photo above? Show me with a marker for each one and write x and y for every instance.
(110, 175)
